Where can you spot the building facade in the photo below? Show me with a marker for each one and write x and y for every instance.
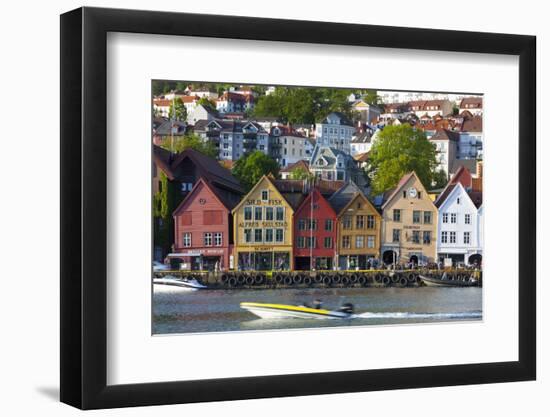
(315, 232)
(358, 228)
(203, 238)
(459, 240)
(335, 131)
(263, 229)
(409, 231)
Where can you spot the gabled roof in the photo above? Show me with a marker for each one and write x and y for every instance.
(269, 179)
(343, 196)
(472, 102)
(473, 124)
(208, 167)
(461, 176)
(314, 191)
(343, 118)
(363, 137)
(301, 164)
(165, 128)
(330, 156)
(402, 182)
(444, 134)
(222, 198)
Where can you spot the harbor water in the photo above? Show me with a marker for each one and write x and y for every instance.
(176, 311)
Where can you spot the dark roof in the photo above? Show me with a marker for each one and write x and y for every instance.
(165, 128)
(364, 137)
(343, 118)
(343, 196)
(208, 167)
(476, 197)
(228, 125)
(444, 134)
(472, 102)
(228, 199)
(469, 164)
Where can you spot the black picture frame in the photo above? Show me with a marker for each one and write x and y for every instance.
(84, 207)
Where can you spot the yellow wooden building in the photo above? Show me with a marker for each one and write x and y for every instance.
(263, 230)
(359, 225)
(409, 229)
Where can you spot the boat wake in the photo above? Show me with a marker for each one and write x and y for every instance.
(405, 315)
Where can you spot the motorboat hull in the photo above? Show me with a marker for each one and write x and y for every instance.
(282, 311)
(438, 282)
(192, 285)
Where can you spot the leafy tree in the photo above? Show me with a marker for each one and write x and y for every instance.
(439, 179)
(301, 174)
(178, 111)
(399, 150)
(205, 102)
(371, 97)
(191, 141)
(455, 109)
(252, 167)
(165, 202)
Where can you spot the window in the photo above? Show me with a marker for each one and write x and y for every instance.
(312, 224)
(445, 217)
(346, 222)
(328, 225)
(359, 242)
(328, 242)
(371, 222)
(452, 237)
(466, 238)
(359, 222)
(453, 217)
(279, 236)
(404, 194)
(444, 237)
(248, 213)
(207, 239)
(268, 235)
(416, 216)
(426, 237)
(248, 235)
(467, 219)
(419, 194)
(257, 213)
(346, 242)
(269, 213)
(396, 215)
(187, 240)
(265, 195)
(257, 235)
(301, 242)
(280, 214)
(396, 235)
(416, 236)
(217, 239)
(310, 242)
(427, 217)
(302, 224)
(371, 240)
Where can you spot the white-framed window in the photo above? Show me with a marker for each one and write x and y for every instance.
(247, 235)
(453, 217)
(265, 195)
(268, 235)
(248, 213)
(187, 240)
(279, 235)
(466, 238)
(371, 240)
(445, 217)
(359, 242)
(258, 235)
(467, 219)
(257, 213)
(301, 242)
(452, 237)
(444, 237)
(280, 214)
(328, 242)
(218, 239)
(207, 238)
(269, 213)
(346, 243)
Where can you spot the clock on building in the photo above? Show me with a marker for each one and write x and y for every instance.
(412, 192)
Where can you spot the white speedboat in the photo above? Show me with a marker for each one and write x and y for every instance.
(172, 282)
(278, 311)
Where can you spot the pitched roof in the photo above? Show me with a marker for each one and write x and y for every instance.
(362, 157)
(297, 165)
(474, 124)
(444, 134)
(343, 196)
(462, 175)
(343, 118)
(363, 137)
(404, 179)
(228, 200)
(165, 128)
(472, 103)
(208, 167)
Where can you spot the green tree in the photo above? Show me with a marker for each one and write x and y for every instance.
(439, 179)
(301, 174)
(191, 141)
(253, 166)
(178, 111)
(205, 102)
(371, 97)
(165, 202)
(399, 150)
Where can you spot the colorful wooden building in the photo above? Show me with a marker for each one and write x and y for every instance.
(315, 232)
(263, 229)
(409, 231)
(359, 225)
(203, 228)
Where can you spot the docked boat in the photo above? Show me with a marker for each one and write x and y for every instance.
(444, 281)
(172, 282)
(278, 311)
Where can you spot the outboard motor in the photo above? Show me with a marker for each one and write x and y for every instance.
(346, 308)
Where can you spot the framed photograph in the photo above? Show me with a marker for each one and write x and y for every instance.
(258, 208)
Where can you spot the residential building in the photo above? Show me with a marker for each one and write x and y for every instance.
(431, 108)
(332, 164)
(235, 102)
(315, 233)
(335, 131)
(203, 234)
(200, 112)
(361, 142)
(446, 143)
(263, 229)
(168, 130)
(286, 173)
(287, 146)
(474, 105)
(368, 113)
(409, 232)
(471, 138)
(359, 225)
(161, 107)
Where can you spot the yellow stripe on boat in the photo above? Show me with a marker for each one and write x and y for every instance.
(288, 308)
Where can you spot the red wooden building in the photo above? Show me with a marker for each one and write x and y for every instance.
(203, 228)
(314, 233)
